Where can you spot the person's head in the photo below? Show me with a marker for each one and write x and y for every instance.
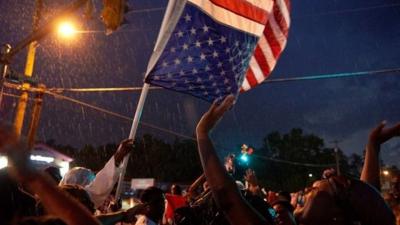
(154, 197)
(340, 201)
(78, 175)
(176, 189)
(230, 163)
(283, 209)
(328, 173)
(77, 192)
(54, 173)
(14, 203)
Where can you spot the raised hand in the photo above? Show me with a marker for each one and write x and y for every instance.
(380, 134)
(123, 149)
(214, 114)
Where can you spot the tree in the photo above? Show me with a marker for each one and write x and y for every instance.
(296, 147)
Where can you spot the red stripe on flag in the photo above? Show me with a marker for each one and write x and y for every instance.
(251, 78)
(243, 8)
(273, 43)
(280, 20)
(261, 60)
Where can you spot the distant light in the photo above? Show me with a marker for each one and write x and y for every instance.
(310, 175)
(66, 29)
(386, 172)
(3, 162)
(244, 158)
(42, 158)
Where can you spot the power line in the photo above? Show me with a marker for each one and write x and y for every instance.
(94, 107)
(11, 95)
(294, 163)
(334, 75)
(147, 10)
(298, 78)
(97, 108)
(59, 90)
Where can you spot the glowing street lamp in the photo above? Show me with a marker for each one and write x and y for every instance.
(386, 172)
(66, 29)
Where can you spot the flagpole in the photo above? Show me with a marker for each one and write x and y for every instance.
(142, 99)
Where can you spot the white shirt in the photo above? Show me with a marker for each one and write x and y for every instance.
(100, 188)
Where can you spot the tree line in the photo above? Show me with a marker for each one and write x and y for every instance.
(178, 161)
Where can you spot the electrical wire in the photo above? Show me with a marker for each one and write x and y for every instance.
(11, 95)
(334, 75)
(94, 107)
(59, 90)
(267, 81)
(294, 163)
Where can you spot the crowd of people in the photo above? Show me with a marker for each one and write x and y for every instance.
(81, 197)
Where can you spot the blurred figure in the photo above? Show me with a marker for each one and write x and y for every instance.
(224, 190)
(154, 200)
(176, 189)
(342, 201)
(283, 209)
(174, 201)
(14, 202)
(100, 185)
(328, 173)
(21, 170)
(54, 173)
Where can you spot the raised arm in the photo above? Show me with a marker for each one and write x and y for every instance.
(53, 199)
(222, 186)
(371, 169)
(100, 188)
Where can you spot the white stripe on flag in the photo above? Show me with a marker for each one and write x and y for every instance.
(229, 18)
(258, 74)
(266, 49)
(279, 36)
(245, 85)
(284, 10)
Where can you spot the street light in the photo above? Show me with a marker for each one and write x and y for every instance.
(66, 29)
(386, 172)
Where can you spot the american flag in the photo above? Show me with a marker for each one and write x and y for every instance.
(208, 45)
(270, 45)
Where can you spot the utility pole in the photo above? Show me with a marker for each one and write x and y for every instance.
(5, 49)
(30, 60)
(37, 109)
(336, 149)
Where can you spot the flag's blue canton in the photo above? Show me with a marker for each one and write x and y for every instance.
(203, 58)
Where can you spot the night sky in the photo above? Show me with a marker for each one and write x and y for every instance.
(326, 37)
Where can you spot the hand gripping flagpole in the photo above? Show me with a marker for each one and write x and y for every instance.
(142, 99)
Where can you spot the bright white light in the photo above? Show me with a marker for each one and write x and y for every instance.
(66, 29)
(386, 172)
(64, 168)
(310, 175)
(3, 162)
(42, 158)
